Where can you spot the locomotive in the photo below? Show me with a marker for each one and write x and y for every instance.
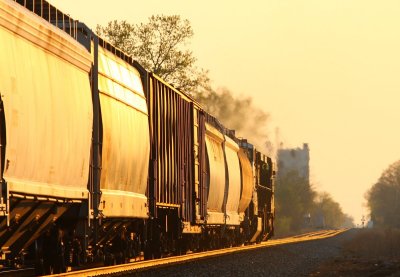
(102, 160)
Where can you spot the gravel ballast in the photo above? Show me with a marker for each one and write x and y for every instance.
(297, 259)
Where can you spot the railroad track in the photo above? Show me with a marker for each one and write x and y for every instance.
(142, 265)
(17, 272)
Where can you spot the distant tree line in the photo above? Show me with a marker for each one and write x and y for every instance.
(300, 207)
(384, 198)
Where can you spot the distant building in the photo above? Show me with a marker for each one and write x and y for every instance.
(295, 159)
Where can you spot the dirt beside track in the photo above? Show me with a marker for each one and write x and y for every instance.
(371, 252)
(358, 267)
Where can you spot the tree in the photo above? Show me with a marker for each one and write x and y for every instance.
(294, 199)
(120, 34)
(348, 221)
(158, 46)
(299, 206)
(383, 198)
(327, 213)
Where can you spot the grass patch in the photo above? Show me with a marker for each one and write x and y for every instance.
(370, 252)
(375, 243)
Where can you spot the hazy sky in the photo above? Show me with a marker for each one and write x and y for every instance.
(328, 72)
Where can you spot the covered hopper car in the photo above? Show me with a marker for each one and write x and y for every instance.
(102, 160)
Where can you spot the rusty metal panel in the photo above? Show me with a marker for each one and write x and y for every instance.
(48, 108)
(172, 161)
(234, 181)
(216, 161)
(247, 181)
(126, 146)
(200, 165)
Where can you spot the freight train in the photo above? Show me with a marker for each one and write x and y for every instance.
(102, 160)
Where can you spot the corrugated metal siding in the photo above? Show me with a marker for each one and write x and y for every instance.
(48, 107)
(216, 160)
(234, 187)
(172, 148)
(247, 181)
(203, 186)
(126, 146)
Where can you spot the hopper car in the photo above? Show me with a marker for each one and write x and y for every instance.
(103, 161)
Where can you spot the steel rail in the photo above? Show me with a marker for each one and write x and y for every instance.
(141, 265)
